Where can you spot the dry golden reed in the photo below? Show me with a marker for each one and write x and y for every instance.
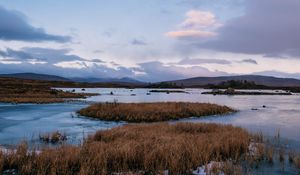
(151, 112)
(33, 91)
(147, 148)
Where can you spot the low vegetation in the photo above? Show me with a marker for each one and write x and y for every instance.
(297, 162)
(145, 148)
(244, 84)
(167, 91)
(55, 137)
(33, 91)
(237, 84)
(151, 112)
(231, 91)
(163, 85)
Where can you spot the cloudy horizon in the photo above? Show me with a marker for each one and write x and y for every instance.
(150, 40)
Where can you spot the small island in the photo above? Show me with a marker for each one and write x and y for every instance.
(151, 112)
(167, 91)
(231, 91)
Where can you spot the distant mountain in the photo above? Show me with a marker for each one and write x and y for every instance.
(107, 80)
(279, 74)
(257, 79)
(34, 76)
(46, 77)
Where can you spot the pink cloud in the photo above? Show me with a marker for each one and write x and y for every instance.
(196, 19)
(190, 34)
(198, 24)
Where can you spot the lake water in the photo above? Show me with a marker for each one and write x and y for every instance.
(27, 121)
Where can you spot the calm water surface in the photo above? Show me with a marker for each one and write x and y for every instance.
(27, 121)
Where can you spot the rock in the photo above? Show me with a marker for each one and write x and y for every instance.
(230, 91)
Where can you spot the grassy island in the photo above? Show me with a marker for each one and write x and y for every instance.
(234, 92)
(167, 91)
(151, 112)
(138, 148)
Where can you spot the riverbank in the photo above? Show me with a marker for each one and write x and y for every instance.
(151, 112)
(30, 91)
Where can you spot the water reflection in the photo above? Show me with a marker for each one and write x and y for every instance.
(28, 120)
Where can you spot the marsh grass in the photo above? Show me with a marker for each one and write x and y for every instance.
(151, 112)
(281, 154)
(147, 148)
(292, 155)
(53, 138)
(270, 154)
(31, 91)
(232, 169)
(297, 162)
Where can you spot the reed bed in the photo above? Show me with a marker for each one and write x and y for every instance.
(55, 137)
(297, 162)
(14, 90)
(151, 112)
(136, 148)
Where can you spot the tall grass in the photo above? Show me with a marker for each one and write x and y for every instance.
(55, 137)
(297, 162)
(151, 112)
(31, 91)
(147, 148)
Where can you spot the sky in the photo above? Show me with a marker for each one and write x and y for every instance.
(150, 40)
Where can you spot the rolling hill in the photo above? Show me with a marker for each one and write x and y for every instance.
(34, 76)
(258, 79)
(46, 77)
(107, 80)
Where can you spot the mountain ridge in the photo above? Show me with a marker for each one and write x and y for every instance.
(35, 76)
(258, 79)
(48, 77)
(189, 82)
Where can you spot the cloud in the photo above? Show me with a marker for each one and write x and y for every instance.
(138, 42)
(251, 61)
(196, 19)
(60, 62)
(268, 27)
(189, 61)
(190, 34)
(157, 71)
(15, 26)
(93, 70)
(216, 3)
(40, 54)
(197, 25)
(17, 55)
(96, 61)
(98, 51)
